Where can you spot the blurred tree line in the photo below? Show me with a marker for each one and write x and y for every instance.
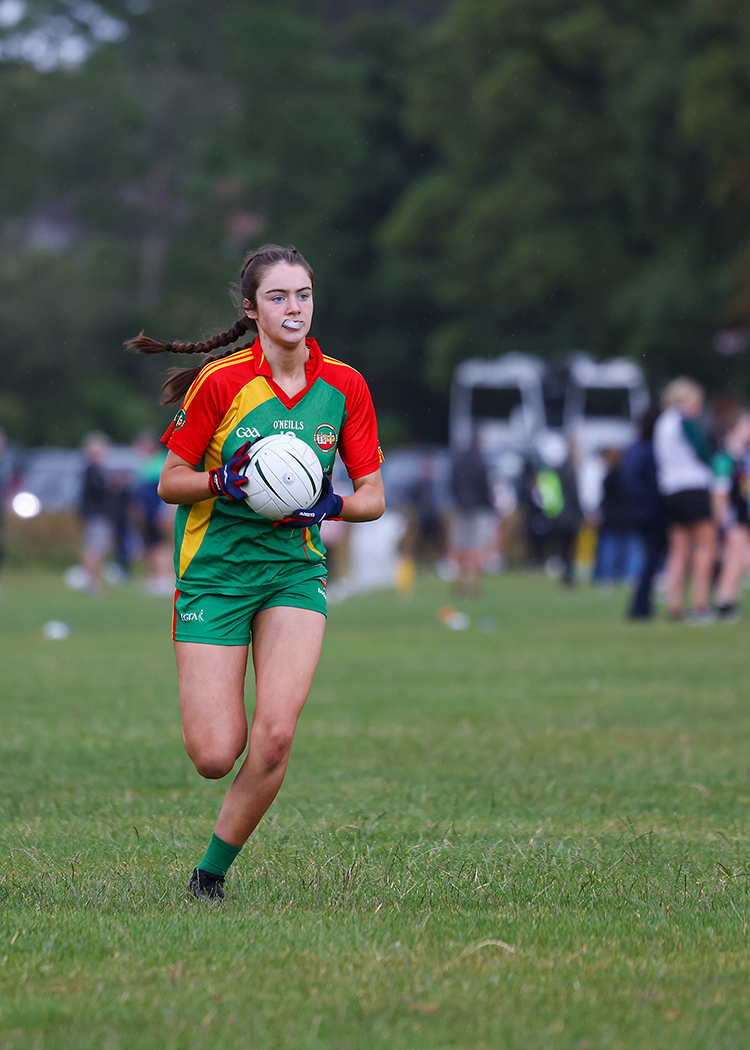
(466, 177)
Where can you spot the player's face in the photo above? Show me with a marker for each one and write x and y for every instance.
(283, 305)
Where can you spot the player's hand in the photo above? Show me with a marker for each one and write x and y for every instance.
(227, 479)
(328, 506)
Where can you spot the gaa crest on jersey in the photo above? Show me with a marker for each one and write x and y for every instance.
(325, 437)
(179, 419)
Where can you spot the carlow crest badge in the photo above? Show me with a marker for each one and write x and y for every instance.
(325, 437)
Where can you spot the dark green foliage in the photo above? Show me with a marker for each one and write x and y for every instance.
(466, 178)
(567, 207)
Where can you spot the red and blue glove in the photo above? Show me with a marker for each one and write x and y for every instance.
(227, 479)
(328, 506)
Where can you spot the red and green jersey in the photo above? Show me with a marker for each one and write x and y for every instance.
(221, 545)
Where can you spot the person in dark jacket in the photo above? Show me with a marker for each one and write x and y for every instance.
(97, 511)
(638, 478)
(475, 520)
(429, 540)
(618, 548)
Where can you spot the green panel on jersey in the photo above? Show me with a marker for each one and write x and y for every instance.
(224, 547)
(316, 420)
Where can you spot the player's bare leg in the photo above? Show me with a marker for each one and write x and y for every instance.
(735, 564)
(212, 700)
(704, 555)
(678, 561)
(286, 648)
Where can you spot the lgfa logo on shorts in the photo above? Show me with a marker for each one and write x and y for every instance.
(325, 437)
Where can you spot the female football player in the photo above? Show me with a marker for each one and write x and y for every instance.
(240, 575)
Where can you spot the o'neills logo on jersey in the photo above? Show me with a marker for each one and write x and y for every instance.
(288, 424)
(325, 437)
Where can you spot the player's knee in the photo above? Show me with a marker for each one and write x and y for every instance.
(274, 747)
(212, 767)
(213, 760)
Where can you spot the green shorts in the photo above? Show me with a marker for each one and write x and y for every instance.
(226, 619)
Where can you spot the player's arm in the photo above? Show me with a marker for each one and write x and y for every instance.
(180, 482)
(367, 502)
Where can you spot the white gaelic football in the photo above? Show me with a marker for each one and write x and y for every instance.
(283, 475)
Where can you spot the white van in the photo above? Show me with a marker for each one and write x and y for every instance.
(603, 402)
(517, 405)
(500, 401)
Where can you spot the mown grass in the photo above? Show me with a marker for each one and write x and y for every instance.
(529, 835)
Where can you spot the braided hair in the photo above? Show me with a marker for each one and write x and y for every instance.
(253, 271)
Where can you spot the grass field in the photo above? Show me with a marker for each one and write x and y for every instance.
(530, 835)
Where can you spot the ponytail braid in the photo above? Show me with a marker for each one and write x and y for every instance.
(180, 379)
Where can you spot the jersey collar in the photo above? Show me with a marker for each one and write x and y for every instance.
(313, 368)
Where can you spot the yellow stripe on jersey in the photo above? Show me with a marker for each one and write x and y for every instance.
(195, 529)
(253, 394)
(250, 396)
(335, 361)
(306, 540)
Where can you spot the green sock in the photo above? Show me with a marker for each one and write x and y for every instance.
(219, 856)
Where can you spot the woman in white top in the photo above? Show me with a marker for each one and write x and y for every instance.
(684, 476)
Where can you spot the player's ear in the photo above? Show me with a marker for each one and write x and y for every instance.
(249, 309)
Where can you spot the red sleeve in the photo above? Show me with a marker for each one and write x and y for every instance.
(191, 430)
(359, 446)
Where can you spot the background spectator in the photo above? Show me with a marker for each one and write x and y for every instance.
(683, 454)
(730, 502)
(475, 521)
(553, 509)
(98, 509)
(153, 517)
(505, 501)
(429, 539)
(639, 484)
(618, 547)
